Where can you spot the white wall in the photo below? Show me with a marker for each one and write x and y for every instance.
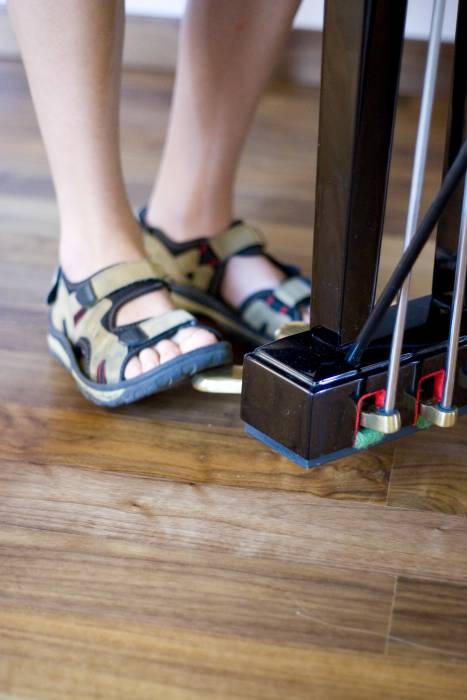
(310, 14)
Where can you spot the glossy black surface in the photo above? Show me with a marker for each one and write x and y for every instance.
(362, 49)
(448, 228)
(306, 358)
(299, 392)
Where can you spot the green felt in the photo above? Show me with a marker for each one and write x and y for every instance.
(423, 423)
(366, 437)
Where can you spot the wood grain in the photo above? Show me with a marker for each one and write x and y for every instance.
(156, 551)
(283, 526)
(123, 660)
(211, 592)
(429, 620)
(430, 471)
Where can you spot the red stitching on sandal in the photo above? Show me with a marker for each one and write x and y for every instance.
(101, 378)
(79, 315)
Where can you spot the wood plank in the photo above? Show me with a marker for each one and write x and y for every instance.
(212, 448)
(283, 526)
(122, 660)
(429, 621)
(107, 580)
(430, 471)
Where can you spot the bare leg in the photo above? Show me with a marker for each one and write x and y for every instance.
(227, 52)
(72, 54)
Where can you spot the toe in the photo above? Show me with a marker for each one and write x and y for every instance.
(167, 350)
(149, 358)
(133, 368)
(193, 338)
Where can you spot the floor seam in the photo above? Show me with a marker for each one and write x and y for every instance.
(390, 618)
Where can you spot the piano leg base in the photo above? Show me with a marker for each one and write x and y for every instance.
(339, 454)
(323, 459)
(303, 400)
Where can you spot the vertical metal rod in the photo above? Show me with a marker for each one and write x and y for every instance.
(416, 188)
(457, 309)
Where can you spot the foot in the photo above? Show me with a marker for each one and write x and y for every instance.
(77, 267)
(245, 276)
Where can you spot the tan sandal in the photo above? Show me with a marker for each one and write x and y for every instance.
(85, 339)
(195, 270)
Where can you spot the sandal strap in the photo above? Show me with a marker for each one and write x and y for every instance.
(201, 262)
(269, 310)
(115, 278)
(109, 349)
(293, 291)
(238, 239)
(157, 327)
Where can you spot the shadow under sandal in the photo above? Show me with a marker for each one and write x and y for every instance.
(84, 338)
(195, 270)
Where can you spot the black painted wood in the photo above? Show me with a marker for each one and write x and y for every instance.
(448, 228)
(362, 50)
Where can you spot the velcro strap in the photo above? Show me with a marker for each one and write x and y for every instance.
(114, 278)
(161, 325)
(293, 291)
(235, 240)
(259, 316)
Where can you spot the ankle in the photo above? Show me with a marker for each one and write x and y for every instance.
(81, 256)
(189, 224)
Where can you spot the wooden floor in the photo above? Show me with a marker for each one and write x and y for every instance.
(156, 551)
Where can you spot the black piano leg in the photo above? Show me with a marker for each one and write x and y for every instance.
(362, 50)
(448, 228)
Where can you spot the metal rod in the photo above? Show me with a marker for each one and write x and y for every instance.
(418, 171)
(457, 309)
(410, 255)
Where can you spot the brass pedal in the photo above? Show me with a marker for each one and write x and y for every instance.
(376, 419)
(228, 380)
(291, 329)
(443, 418)
(220, 380)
